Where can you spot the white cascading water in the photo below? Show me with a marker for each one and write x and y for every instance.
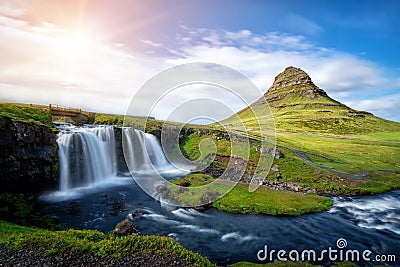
(142, 150)
(106, 134)
(86, 155)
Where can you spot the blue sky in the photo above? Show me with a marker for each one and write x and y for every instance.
(102, 51)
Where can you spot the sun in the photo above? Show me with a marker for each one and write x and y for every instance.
(76, 46)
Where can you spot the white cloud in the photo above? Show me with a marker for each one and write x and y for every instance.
(385, 106)
(151, 43)
(243, 39)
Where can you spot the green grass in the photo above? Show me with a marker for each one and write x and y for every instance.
(261, 201)
(35, 114)
(351, 156)
(294, 169)
(191, 144)
(384, 136)
(59, 242)
(109, 119)
(294, 112)
(346, 154)
(330, 134)
(271, 202)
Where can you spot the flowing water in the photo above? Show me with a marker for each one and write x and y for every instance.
(371, 222)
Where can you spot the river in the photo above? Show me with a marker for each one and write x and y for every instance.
(366, 223)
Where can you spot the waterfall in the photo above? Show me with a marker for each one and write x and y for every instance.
(156, 153)
(86, 156)
(142, 150)
(106, 134)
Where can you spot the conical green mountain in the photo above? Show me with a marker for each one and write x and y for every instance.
(298, 105)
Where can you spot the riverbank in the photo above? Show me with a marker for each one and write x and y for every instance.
(239, 200)
(89, 247)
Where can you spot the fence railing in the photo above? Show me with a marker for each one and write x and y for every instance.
(53, 107)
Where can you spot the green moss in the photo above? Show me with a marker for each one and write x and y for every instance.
(59, 242)
(261, 201)
(271, 202)
(39, 115)
(109, 119)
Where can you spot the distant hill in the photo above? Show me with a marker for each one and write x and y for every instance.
(298, 105)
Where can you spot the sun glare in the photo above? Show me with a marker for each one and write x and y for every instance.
(76, 46)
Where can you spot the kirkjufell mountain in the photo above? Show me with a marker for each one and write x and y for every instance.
(299, 105)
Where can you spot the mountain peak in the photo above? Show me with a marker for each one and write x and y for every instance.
(293, 82)
(291, 76)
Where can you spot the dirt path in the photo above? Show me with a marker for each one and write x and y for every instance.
(358, 176)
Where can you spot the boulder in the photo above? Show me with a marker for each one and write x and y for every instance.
(125, 227)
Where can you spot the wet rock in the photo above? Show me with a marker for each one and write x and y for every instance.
(125, 227)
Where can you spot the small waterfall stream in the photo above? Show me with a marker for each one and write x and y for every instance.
(142, 151)
(87, 156)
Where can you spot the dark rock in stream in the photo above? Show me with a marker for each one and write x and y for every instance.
(125, 227)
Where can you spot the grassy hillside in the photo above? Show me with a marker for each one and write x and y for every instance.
(26, 113)
(329, 133)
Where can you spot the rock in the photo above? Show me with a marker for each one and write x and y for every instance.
(289, 77)
(298, 81)
(28, 157)
(279, 154)
(121, 163)
(125, 227)
(275, 168)
(278, 175)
